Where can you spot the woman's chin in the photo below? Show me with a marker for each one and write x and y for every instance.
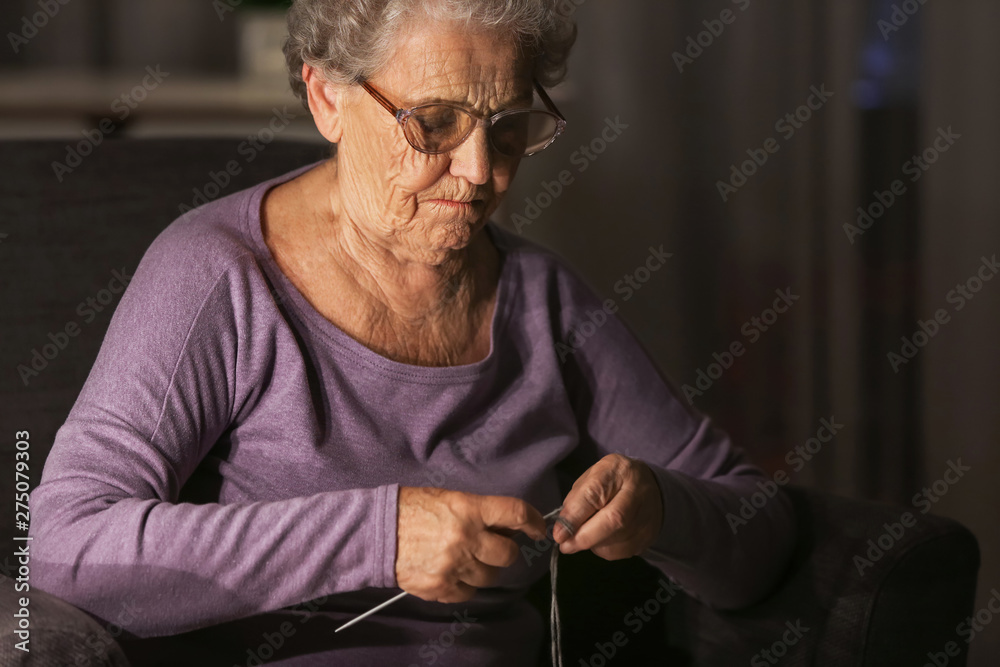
(444, 238)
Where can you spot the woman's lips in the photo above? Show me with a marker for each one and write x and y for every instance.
(457, 205)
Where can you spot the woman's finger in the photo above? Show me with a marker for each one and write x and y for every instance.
(458, 592)
(478, 575)
(605, 528)
(499, 512)
(495, 550)
(592, 491)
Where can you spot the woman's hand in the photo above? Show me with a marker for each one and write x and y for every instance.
(450, 544)
(615, 508)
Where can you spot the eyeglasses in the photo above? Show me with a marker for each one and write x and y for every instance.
(439, 128)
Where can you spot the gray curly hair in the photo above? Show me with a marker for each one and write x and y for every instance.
(350, 40)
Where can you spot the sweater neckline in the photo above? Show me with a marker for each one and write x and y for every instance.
(344, 343)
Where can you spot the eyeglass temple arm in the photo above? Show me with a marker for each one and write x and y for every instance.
(380, 98)
(550, 105)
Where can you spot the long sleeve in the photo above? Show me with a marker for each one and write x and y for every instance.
(624, 405)
(186, 355)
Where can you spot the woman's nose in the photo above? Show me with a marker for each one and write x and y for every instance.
(473, 158)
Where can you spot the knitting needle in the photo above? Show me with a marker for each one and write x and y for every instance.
(402, 595)
(372, 611)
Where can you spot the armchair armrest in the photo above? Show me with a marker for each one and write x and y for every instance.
(869, 584)
(60, 634)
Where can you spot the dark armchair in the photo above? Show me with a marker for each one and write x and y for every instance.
(62, 235)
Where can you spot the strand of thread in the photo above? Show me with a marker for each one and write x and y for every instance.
(555, 625)
(554, 622)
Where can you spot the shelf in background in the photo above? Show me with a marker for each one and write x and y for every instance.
(62, 103)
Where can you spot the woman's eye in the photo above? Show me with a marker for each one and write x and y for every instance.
(437, 122)
(511, 133)
(511, 127)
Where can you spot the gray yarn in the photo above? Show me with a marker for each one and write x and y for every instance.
(554, 622)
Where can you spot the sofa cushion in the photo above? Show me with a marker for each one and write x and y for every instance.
(60, 635)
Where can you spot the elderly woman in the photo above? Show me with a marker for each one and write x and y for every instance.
(292, 364)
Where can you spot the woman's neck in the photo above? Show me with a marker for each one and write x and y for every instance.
(410, 290)
(434, 314)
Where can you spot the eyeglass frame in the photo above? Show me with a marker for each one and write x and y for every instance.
(403, 115)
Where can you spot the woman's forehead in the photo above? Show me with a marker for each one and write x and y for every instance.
(445, 64)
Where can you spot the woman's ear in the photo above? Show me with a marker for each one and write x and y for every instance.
(325, 104)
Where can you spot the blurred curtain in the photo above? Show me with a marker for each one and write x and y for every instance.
(961, 216)
(781, 230)
(827, 357)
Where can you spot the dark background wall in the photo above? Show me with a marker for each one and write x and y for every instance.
(889, 90)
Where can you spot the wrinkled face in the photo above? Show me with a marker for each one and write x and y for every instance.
(423, 206)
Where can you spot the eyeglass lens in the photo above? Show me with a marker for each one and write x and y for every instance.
(437, 129)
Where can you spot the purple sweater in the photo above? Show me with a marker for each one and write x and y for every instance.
(234, 453)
